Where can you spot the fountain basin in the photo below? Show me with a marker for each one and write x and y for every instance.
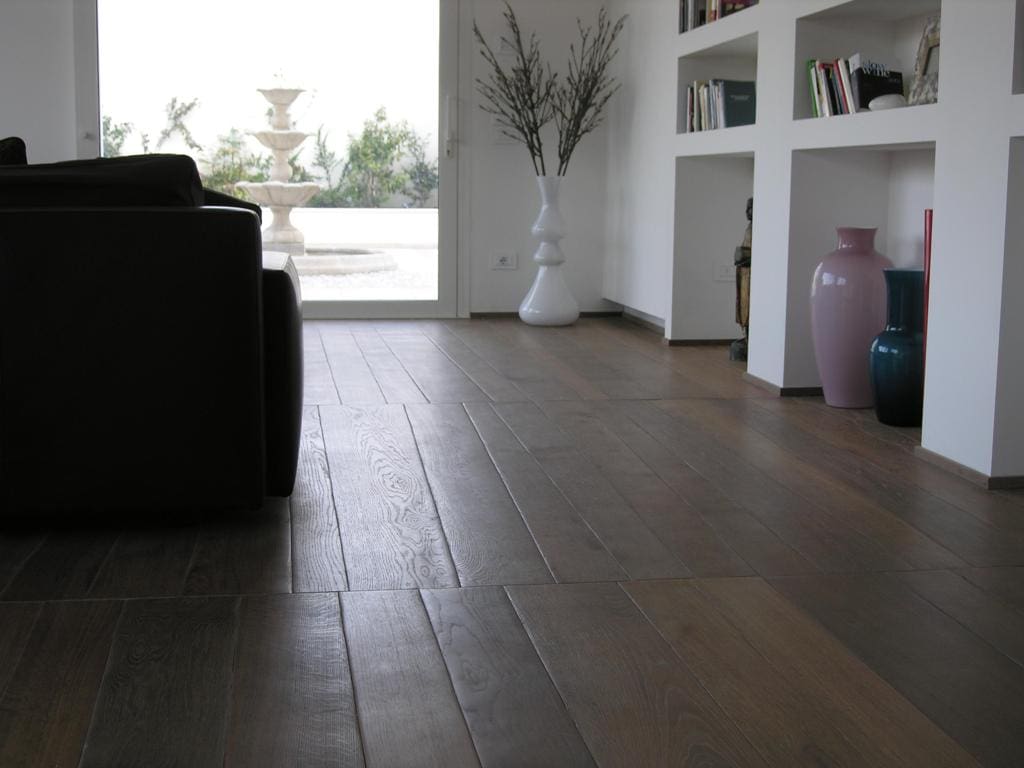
(279, 194)
(282, 140)
(336, 260)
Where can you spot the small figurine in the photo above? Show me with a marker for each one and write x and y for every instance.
(741, 259)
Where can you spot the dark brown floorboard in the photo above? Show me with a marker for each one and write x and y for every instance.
(291, 694)
(165, 694)
(513, 711)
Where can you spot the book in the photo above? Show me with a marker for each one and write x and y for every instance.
(739, 102)
(844, 74)
(865, 86)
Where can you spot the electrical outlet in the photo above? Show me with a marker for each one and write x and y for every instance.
(505, 260)
(725, 272)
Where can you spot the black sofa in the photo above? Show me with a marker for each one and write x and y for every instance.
(148, 360)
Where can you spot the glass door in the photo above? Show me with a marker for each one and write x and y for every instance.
(338, 119)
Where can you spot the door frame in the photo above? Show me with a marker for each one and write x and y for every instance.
(452, 266)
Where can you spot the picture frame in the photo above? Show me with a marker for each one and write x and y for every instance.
(925, 88)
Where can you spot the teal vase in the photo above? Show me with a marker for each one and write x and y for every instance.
(897, 353)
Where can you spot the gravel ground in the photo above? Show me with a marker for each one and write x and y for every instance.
(415, 278)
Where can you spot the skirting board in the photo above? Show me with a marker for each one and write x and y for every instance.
(503, 315)
(782, 391)
(697, 342)
(999, 483)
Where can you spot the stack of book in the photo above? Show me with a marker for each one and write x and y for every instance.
(696, 13)
(713, 104)
(845, 86)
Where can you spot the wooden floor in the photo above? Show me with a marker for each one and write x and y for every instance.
(513, 546)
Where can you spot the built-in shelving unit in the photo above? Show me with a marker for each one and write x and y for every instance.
(730, 59)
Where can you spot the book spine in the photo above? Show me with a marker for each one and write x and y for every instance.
(844, 74)
(813, 81)
(837, 86)
(826, 105)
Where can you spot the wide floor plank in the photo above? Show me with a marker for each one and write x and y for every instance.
(291, 694)
(632, 698)
(165, 694)
(814, 660)
(1007, 584)
(317, 382)
(790, 720)
(408, 712)
(395, 383)
(47, 705)
(318, 561)
(571, 550)
(389, 525)
(63, 566)
(147, 562)
(968, 688)
(497, 387)
(15, 548)
(243, 553)
(511, 707)
(488, 540)
(437, 377)
(16, 622)
(353, 379)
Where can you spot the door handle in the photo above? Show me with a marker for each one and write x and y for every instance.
(451, 117)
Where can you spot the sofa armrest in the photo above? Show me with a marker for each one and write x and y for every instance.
(131, 358)
(213, 197)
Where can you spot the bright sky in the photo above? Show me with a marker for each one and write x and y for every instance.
(351, 56)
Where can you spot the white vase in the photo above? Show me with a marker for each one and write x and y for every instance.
(549, 301)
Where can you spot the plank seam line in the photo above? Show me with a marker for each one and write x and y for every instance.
(99, 688)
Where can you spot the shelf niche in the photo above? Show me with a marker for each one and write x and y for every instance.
(885, 32)
(710, 218)
(732, 60)
(1018, 48)
(887, 188)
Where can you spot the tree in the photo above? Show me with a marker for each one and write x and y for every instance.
(114, 136)
(326, 163)
(372, 173)
(232, 162)
(177, 112)
(423, 176)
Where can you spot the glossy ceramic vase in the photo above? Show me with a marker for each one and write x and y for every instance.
(549, 301)
(847, 312)
(897, 354)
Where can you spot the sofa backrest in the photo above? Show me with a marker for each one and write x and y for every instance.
(137, 180)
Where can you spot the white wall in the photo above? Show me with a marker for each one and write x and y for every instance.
(497, 186)
(37, 77)
(641, 175)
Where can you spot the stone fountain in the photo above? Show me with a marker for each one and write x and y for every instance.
(279, 194)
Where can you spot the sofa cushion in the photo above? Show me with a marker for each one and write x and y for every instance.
(12, 151)
(136, 180)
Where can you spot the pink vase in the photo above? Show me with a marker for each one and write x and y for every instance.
(847, 312)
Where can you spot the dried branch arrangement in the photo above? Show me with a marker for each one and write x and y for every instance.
(526, 94)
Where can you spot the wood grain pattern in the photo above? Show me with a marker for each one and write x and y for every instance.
(633, 700)
(1007, 584)
(791, 721)
(16, 547)
(531, 376)
(685, 532)
(960, 532)
(395, 384)
(318, 562)
(512, 709)
(847, 689)
(622, 532)
(291, 674)
(927, 656)
(829, 545)
(391, 532)
(63, 566)
(147, 562)
(571, 550)
(747, 536)
(165, 694)
(440, 380)
(353, 379)
(488, 540)
(985, 615)
(243, 553)
(814, 483)
(492, 383)
(16, 622)
(407, 708)
(48, 702)
(317, 382)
